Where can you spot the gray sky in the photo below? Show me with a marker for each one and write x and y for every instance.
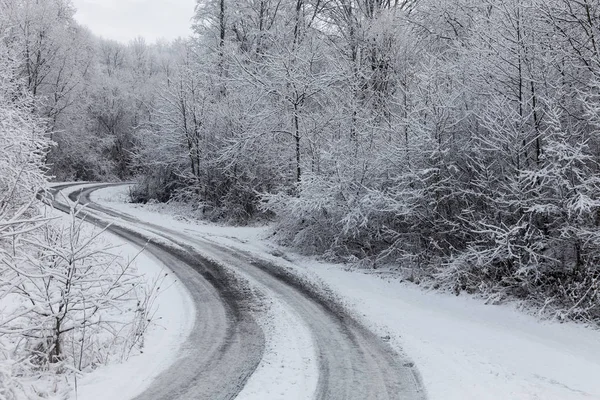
(124, 20)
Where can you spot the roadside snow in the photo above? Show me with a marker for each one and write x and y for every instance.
(173, 321)
(468, 350)
(116, 198)
(464, 349)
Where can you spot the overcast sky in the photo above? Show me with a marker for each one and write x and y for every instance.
(124, 20)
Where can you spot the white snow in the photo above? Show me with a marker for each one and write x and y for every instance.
(468, 350)
(173, 321)
(464, 349)
(288, 370)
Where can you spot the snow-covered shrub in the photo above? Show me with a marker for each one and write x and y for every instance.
(541, 241)
(77, 296)
(23, 140)
(69, 303)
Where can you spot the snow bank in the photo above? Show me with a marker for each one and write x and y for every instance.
(468, 350)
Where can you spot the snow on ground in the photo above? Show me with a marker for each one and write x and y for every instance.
(116, 198)
(173, 321)
(468, 350)
(288, 370)
(464, 349)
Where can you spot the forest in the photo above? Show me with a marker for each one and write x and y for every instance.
(455, 142)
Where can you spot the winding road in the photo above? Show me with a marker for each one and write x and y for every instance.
(227, 343)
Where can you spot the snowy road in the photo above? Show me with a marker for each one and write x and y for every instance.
(227, 343)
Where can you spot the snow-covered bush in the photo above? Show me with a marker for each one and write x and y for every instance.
(75, 301)
(541, 240)
(69, 304)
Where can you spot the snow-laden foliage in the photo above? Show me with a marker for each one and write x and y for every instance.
(22, 141)
(93, 93)
(68, 305)
(457, 139)
(22, 148)
(73, 301)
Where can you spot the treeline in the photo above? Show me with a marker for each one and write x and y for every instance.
(457, 139)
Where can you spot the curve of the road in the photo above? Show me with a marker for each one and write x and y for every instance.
(226, 344)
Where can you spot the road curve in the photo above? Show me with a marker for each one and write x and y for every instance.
(354, 363)
(225, 345)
